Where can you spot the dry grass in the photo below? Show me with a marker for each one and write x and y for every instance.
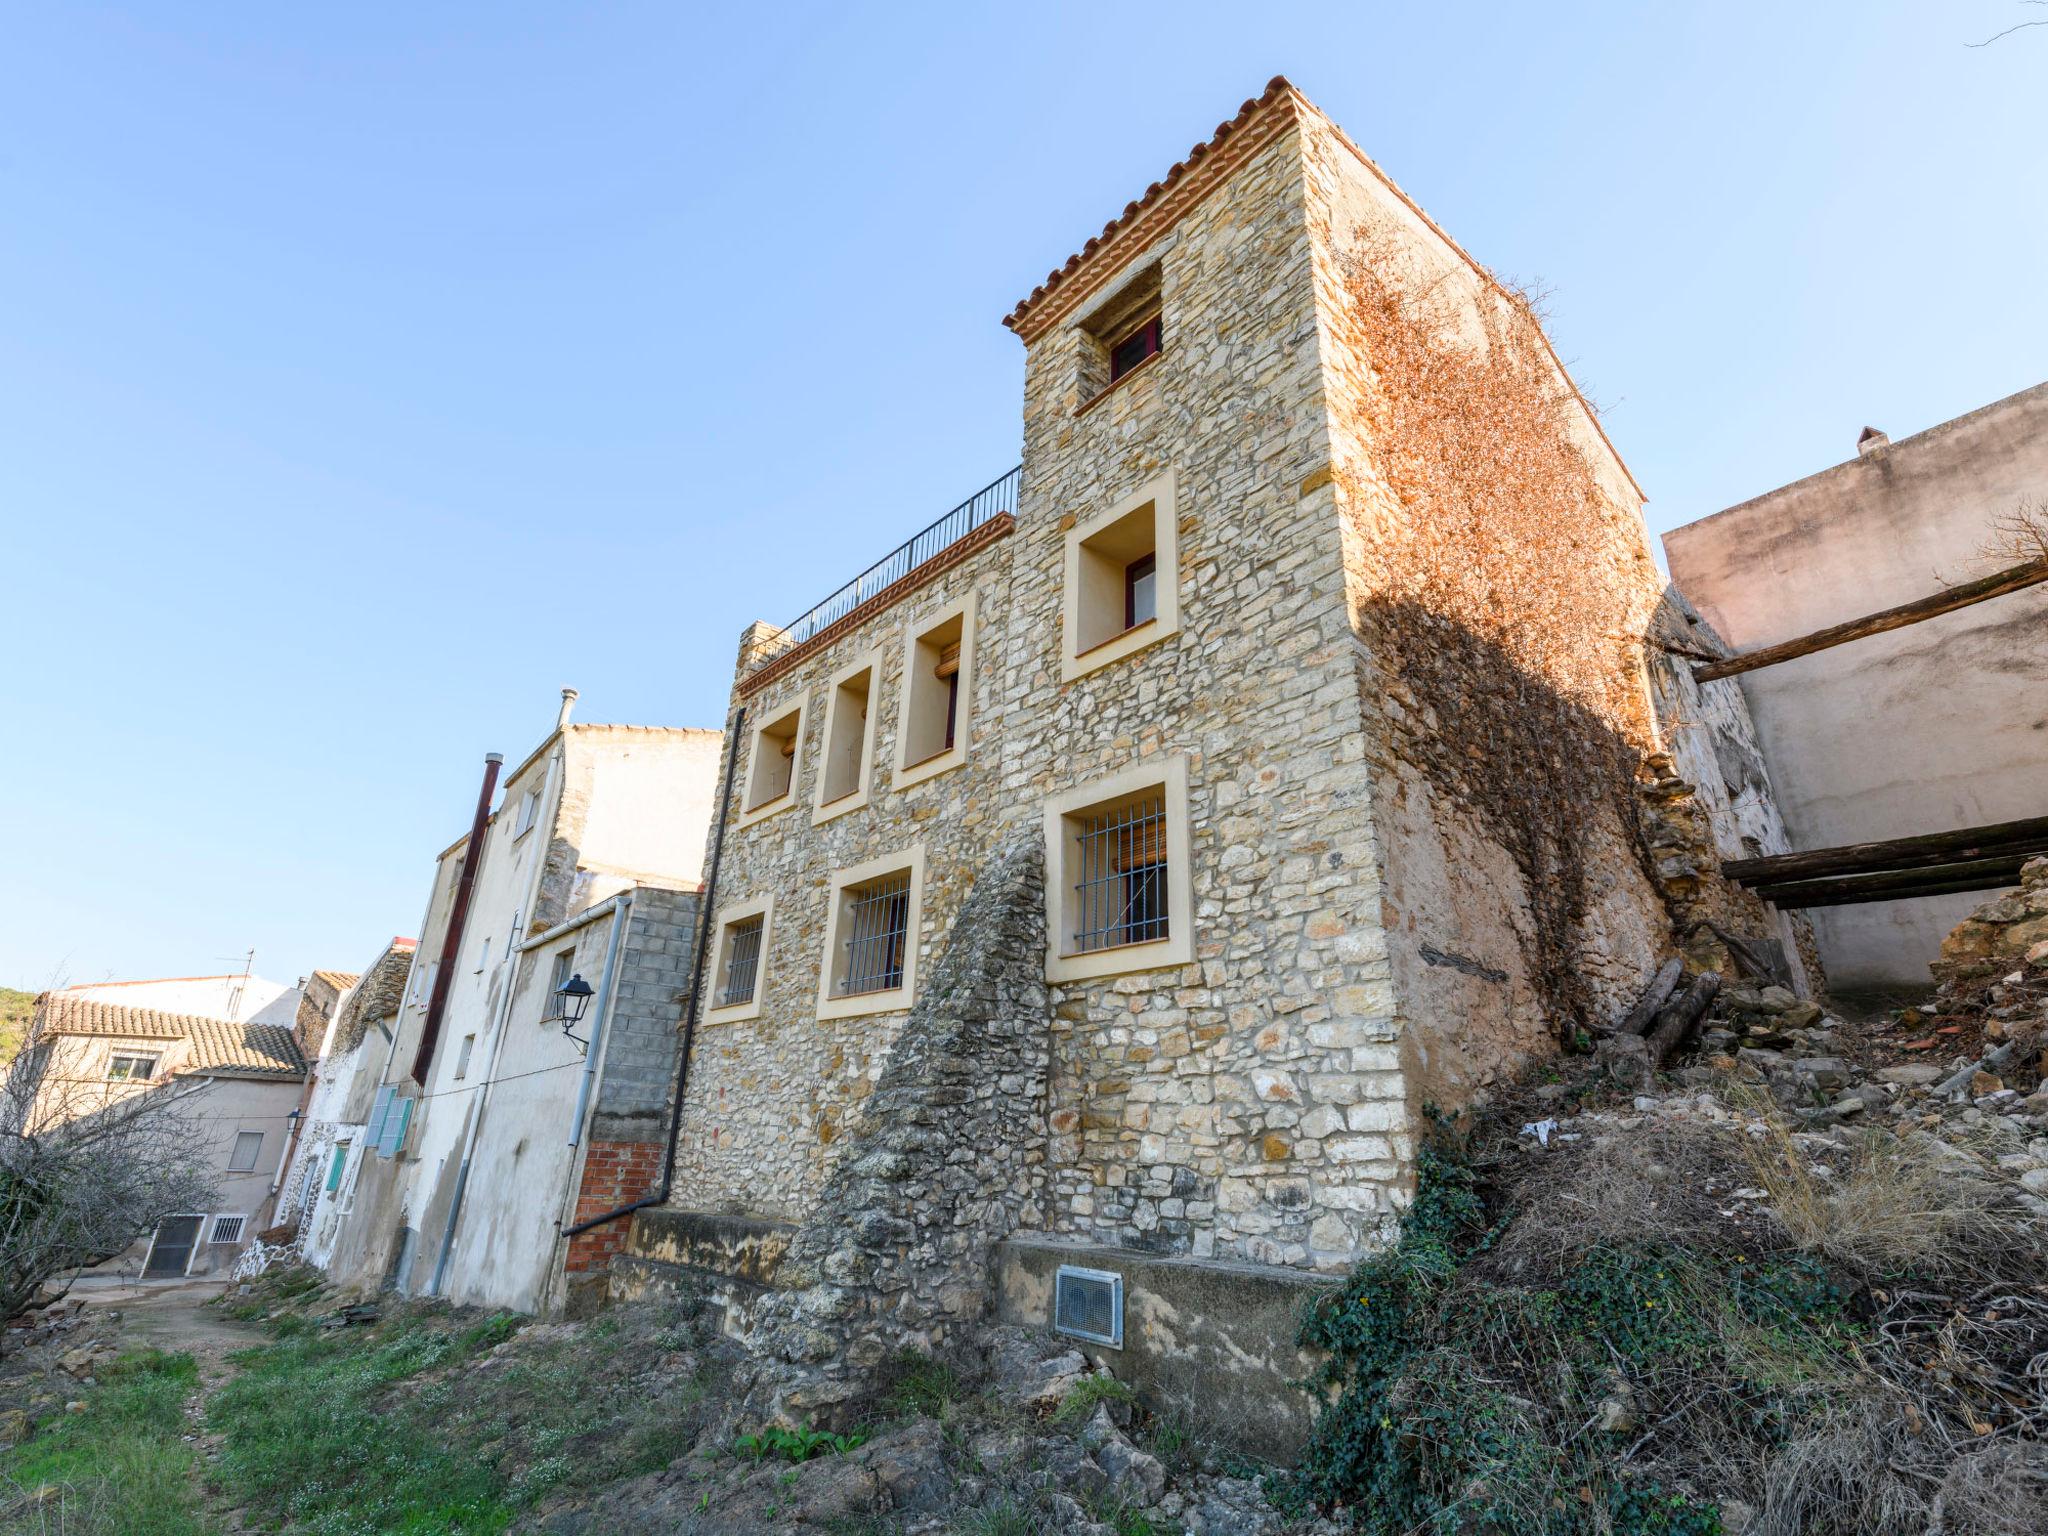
(1881, 1208)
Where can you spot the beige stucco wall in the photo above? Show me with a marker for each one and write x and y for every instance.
(1937, 726)
(221, 1108)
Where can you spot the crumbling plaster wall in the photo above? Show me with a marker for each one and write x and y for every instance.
(1930, 728)
(1499, 579)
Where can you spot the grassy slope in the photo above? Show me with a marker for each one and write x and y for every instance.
(120, 1468)
(16, 1009)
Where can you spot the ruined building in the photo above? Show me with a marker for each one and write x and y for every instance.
(1904, 731)
(1116, 874)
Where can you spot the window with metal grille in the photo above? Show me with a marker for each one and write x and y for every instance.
(877, 927)
(1120, 874)
(127, 1068)
(226, 1229)
(742, 961)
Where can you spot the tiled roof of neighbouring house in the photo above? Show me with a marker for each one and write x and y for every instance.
(341, 981)
(217, 1046)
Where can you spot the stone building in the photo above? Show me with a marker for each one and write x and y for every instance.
(1305, 655)
(1931, 728)
(482, 1121)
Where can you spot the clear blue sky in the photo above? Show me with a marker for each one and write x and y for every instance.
(369, 371)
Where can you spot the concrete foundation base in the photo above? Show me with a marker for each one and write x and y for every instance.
(726, 1260)
(1210, 1342)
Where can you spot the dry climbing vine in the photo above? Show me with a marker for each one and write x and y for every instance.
(1504, 582)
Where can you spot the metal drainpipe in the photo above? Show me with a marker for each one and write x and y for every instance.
(557, 766)
(675, 1114)
(458, 918)
(592, 1057)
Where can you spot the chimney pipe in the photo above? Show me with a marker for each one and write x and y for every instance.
(568, 703)
(458, 916)
(1870, 442)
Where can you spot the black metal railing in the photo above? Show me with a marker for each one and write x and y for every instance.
(985, 505)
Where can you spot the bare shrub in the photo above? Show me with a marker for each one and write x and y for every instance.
(2001, 1490)
(84, 1173)
(1670, 1180)
(2018, 536)
(1856, 1470)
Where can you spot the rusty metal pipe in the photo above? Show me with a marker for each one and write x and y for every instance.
(458, 918)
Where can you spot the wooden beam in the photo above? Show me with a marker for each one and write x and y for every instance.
(1898, 884)
(1995, 585)
(1850, 896)
(1926, 851)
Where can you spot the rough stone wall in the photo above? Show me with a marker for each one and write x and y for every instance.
(771, 1096)
(377, 996)
(947, 1159)
(318, 998)
(1250, 1105)
(1499, 580)
(1709, 798)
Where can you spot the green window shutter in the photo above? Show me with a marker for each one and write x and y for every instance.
(380, 1110)
(334, 1168)
(396, 1119)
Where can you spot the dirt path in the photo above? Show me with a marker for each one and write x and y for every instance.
(179, 1320)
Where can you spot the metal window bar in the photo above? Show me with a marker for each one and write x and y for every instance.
(227, 1229)
(742, 963)
(877, 930)
(985, 505)
(1121, 867)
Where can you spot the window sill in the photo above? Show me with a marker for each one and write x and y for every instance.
(1124, 959)
(829, 810)
(1125, 643)
(930, 767)
(1103, 394)
(733, 1013)
(895, 1000)
(766, 809)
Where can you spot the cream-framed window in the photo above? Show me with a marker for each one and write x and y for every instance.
(739, 970)
(938, 693)
(872, 913)
(773, 756)
(1121, 589)
(1119, 881)
(846, 761)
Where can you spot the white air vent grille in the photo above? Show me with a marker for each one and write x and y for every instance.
(1089, 1304)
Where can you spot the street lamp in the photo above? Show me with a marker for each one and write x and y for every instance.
(572, 1001)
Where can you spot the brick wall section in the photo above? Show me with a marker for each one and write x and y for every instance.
(615, 1173)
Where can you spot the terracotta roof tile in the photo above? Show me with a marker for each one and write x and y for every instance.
(1133, 211)
(216, 1045)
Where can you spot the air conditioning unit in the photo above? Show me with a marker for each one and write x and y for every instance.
(1089, 1304)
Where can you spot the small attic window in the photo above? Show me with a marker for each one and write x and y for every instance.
(1140, 344)
(1121, 336)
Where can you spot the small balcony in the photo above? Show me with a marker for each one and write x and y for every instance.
(996, 499)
